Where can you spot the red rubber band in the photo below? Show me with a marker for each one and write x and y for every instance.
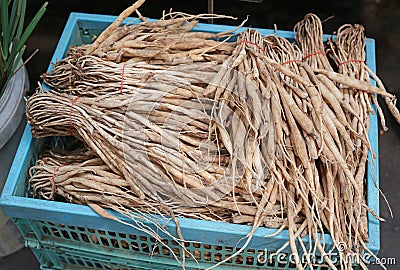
(122, 78)
(252, 43)
(351, 61)
(291, 61)
(70, 114)
(54, 175)
(313, 54)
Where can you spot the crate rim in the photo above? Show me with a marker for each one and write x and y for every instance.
(22, 207)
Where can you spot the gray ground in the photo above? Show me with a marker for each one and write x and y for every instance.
(380, 17)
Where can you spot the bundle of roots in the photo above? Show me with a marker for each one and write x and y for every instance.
(259, 131)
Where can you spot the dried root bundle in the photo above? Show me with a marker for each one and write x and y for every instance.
(89, 75)
(309, 36)
(80, 176)
(321, 154)
(261, 131)
(168, 41)
(154, 141)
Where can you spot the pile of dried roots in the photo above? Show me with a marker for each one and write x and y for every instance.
(260, 131)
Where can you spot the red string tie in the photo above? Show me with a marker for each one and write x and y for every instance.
(351, 61)
(252, 43)
(313, 54)
(70, 115)
(53, 183)
(122, 78)
(291, 61)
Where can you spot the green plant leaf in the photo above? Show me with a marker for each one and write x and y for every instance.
(10, 60)
(22, 19)
(14, 36)
(18, 57)
(5, 28)
(2, 72)
(15, 17)
(29, 29)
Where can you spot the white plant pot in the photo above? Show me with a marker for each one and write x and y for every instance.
(12, 124)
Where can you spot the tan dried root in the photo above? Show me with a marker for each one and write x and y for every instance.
(259, 131)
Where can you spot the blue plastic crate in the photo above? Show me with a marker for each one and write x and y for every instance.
(130, 250)
(51, 257)
(58, 225)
